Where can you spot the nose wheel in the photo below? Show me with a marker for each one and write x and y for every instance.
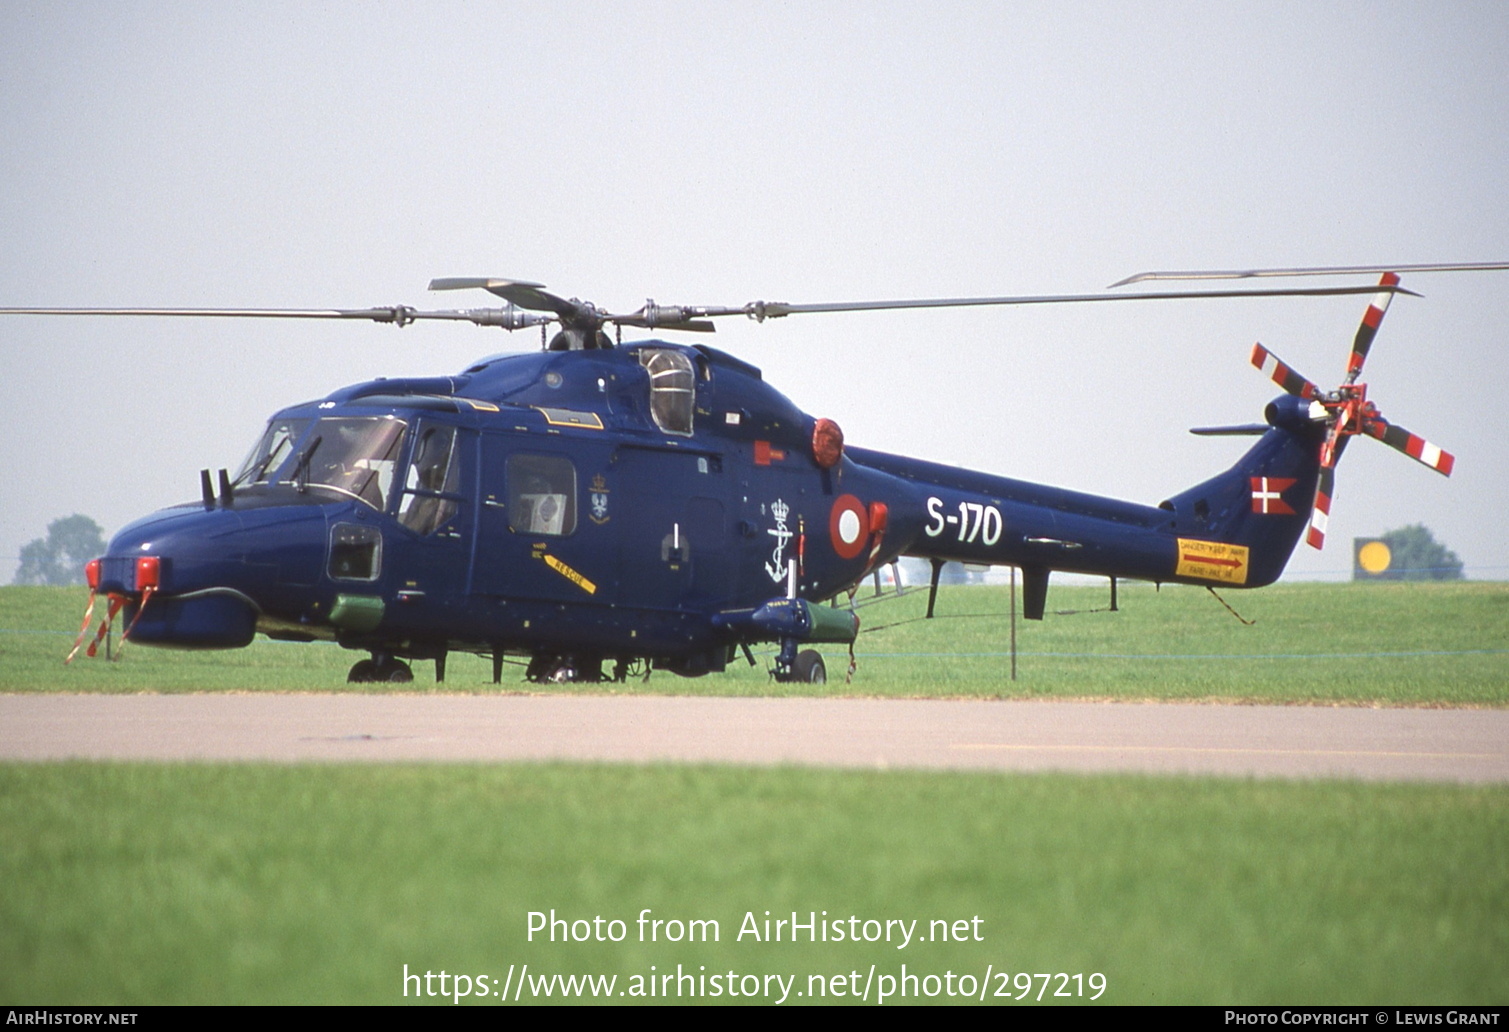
(380, 668)
(805, 667)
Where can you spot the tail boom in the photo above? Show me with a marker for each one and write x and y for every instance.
(1236, 529)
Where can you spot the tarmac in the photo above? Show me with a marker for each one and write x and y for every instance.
(1384, 744)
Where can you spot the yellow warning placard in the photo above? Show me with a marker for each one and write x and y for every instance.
(1212, 560)
(570, 574)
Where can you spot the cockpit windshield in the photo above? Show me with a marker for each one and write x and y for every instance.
(355, 455)
(270, 452)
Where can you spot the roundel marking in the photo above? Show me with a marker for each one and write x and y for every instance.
(848, 526)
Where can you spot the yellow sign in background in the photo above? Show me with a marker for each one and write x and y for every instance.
(1371, 557)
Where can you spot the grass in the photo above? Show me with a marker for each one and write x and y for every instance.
(1356, 644)
(179, 883)
(133, 884)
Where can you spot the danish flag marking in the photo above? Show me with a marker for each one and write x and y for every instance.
(1268, 495)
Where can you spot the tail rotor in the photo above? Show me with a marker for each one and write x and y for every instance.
(1347, 412)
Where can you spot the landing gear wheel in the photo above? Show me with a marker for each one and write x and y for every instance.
(371, 671)
(549, 669)
(809, 668)
(545, 669)
(394, 672)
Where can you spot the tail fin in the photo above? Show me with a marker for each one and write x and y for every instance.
(1263, 502)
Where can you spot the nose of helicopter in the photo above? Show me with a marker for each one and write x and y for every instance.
(201, 579)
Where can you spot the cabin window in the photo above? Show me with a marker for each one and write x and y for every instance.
(355, 552)
(433, 473)
(673, 384)
(541, 494)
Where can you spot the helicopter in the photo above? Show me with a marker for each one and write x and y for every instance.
(597, 509)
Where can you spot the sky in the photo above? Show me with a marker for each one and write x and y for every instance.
(343, 154)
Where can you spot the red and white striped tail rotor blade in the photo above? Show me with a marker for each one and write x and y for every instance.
(1413, 445)
(1320, 512)
(1293, 383)
(1369, 328)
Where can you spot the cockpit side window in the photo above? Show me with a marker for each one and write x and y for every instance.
(270, 452)
(673, 383)
(433, 472)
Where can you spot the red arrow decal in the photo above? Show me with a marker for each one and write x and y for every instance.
(1207, 560)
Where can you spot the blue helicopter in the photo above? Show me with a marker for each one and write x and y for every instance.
(599, 509)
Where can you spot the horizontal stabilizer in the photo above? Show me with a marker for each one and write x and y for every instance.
(1245, 430)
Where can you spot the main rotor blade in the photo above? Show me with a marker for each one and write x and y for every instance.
(397, 313)
(476, 283)
(1413, 445)
(520, 292)
(1281, 374)
(400, 315)
(580, 314)
(1321, 270)
(761, 310)
(694, 317)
